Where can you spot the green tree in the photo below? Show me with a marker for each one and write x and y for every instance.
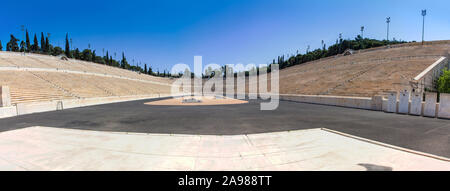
(93, 56)
(444, 82)
(67, 49)
(107, 58)
(22, 46)
(150, 70)
(42, 42)
(57, 51)
(12, 44)
(99, 59)
(1, 47)
(35, 46)
(86, 55)
(28, 42)
(124, 63)
(47, 45)
(76, 54)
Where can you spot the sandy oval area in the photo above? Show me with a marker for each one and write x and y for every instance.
(204, 100)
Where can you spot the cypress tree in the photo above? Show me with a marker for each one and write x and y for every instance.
(1, 47)
(145, 68)
(67, 51)
(47, 45)
(42, 42)
(107, 58)
(110, 60)
(76, 54)
(22, 46)
(28, 42)
(93, 56)
(124, 61)
(35, 44)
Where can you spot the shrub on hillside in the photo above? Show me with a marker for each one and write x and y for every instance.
(444, 82)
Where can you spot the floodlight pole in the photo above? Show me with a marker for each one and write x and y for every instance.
(388, 20)
(362, 32)
(424, 13)
(22, 28)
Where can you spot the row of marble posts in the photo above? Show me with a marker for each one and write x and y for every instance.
(405, 102)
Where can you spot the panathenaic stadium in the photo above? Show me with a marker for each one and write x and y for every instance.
(372, 109)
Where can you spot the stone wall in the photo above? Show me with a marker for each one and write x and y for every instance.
(35, 107)
(426, 79)
(5, 96)
(397, 102)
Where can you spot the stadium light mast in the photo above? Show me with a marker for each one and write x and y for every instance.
(424, 13)
(362, 32)
(22, 28)
(388, 20)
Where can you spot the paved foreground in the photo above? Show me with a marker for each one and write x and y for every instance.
(412, 132)
(43, 148)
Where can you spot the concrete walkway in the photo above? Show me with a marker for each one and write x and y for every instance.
(45, 148)
(417, 133)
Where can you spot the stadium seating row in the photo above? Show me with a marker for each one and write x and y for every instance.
(33, 86)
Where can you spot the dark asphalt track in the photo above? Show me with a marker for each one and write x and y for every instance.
(417, 133)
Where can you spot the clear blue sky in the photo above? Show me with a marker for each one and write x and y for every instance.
(166, 32)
